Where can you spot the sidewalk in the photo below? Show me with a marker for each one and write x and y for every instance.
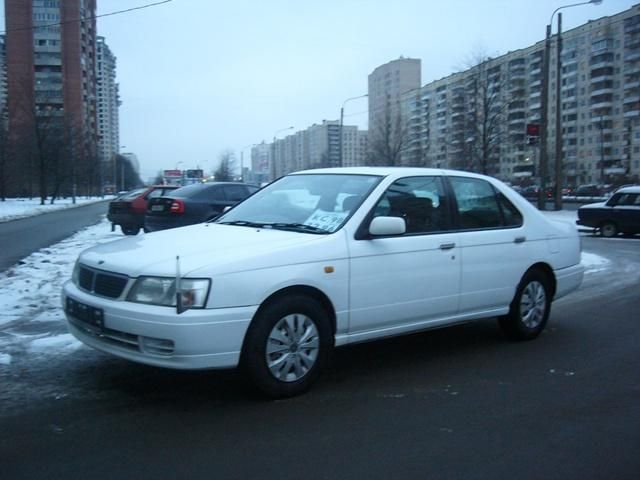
(15, 208)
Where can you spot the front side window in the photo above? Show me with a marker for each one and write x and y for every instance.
(480, 206)
(420, 201)
(624, 199)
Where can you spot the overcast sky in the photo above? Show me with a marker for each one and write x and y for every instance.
(200, 76)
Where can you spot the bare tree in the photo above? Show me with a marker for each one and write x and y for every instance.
(483, 128)
(388, 140)
(226, 166)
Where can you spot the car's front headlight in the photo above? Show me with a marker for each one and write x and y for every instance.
(162, 291)
(75, 275)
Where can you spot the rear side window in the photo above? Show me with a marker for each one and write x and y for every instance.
(480, 206)
(210, 192)
(235, 193)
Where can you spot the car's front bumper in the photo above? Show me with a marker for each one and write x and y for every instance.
(154, 335)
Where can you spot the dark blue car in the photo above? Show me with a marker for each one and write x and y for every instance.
(194, 204)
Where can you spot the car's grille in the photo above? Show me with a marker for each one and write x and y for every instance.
(106, 284)
(128, 341)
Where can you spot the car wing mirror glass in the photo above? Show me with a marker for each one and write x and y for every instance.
(382, 226)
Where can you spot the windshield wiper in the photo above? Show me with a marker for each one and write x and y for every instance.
(245, 223)
(277, 225)
(297, 226)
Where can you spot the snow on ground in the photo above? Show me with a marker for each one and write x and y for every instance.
(31, 317)
(30, 295)
(14, 208)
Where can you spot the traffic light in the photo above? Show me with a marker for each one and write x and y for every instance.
(533, 133)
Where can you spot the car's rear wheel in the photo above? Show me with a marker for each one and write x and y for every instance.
(608, 229)
(529, 309)
(129, 229)
(287, 346)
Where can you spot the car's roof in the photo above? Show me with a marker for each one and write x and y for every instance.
(629, 189)
(389, 171)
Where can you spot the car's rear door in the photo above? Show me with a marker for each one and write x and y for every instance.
(493, 244)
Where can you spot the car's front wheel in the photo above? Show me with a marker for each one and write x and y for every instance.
(287, 346)
(529, 310)
(608, 229)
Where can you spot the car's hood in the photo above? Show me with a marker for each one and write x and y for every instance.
(224, 248)
(594, 205)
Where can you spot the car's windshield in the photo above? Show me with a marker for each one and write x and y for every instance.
(312, 203)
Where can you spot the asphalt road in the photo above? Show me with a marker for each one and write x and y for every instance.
(22, 237)
(456, 403)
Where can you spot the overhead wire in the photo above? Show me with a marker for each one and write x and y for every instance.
(91, 17)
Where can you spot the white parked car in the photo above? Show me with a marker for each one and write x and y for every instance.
(324, 258)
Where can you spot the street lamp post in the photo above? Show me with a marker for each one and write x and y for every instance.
(272, 165)
(340, 148)
(545, 101)
(242, 159)
(601, 150)
(115, 170)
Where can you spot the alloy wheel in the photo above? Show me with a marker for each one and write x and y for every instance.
(292, 347)
(533, 304)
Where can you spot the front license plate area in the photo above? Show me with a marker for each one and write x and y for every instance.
(86, 314)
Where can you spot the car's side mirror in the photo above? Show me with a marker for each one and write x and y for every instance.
(382, 226)
(226, 209)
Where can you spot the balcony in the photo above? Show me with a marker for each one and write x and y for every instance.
(601, 104)
(630, 57)
(600, 76)
(601, 91)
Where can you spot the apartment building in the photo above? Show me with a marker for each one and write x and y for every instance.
(477, 119)
(108, 103)
(315, 147)
(387, 83)
(51, 90)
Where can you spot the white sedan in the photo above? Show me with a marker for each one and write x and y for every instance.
(319, 259)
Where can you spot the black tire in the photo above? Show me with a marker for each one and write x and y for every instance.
(129, 229)
(297, 364)
(608, 229)
(529, 309)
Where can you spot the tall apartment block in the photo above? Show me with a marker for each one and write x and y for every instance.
(600, 108)
(50, 62)
(315, 147)
(108, 103)
(387, 84)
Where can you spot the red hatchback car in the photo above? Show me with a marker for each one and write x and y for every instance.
(129, 209)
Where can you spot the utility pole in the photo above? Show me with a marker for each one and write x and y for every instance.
(544, 155)
(557, 204)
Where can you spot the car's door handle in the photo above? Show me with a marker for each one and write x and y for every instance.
(519, 239)
(447, 246)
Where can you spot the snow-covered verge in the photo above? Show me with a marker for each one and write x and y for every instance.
(15, 208)
(31, 318)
